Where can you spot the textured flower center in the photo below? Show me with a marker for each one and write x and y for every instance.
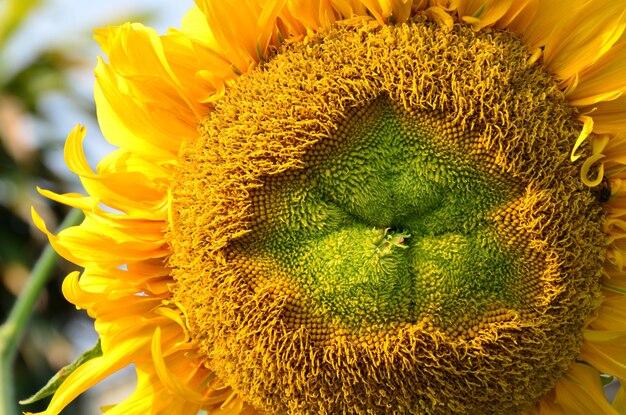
(385, 220)
(391, 221)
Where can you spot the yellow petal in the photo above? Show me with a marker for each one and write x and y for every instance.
(603, 81)
(609, 116)
(167, 373)
(133, 186)
(611, 316)
(605, 351)
(146, 102)
(490, 12)
(243, 41)
(536, 29)
(580, 40)
(584, 134)
(578, 392)
(518, 17)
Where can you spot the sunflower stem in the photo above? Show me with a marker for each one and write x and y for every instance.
(13, 328)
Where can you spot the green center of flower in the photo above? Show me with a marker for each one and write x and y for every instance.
(387, 223)
(387, 217)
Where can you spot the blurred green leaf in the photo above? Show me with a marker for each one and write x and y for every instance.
(56, 381)
(47, 73)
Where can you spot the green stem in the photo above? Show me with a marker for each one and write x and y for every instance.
(13, 328)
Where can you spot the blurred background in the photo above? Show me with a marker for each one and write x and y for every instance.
(47, 56)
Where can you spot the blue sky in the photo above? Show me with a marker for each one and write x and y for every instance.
(59, 21)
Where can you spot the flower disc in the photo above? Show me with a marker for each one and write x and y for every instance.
(385, 219)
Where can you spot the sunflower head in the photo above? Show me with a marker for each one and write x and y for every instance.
(377, 223)
(359, 207)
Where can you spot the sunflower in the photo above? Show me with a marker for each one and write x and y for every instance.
(357, 207)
